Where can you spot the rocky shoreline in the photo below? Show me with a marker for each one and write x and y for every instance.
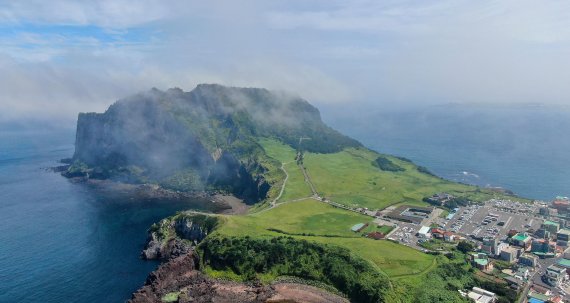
(216, 202)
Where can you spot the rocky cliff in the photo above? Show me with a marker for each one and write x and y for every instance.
(205, 139)
(175, 236)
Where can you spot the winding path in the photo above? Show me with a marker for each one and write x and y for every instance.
(272, 204)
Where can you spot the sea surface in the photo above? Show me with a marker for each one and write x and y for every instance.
(65, 242)
(522, 148)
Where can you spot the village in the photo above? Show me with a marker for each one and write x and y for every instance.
(523, 245)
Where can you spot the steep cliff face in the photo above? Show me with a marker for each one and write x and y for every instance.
(175, 236)
(203, 139)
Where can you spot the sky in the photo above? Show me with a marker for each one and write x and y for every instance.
(58, 58)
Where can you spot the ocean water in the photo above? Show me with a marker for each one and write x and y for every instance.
(525, 149)
(65, 242)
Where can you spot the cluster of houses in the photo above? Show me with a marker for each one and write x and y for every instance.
(539, 294)
(523, 251)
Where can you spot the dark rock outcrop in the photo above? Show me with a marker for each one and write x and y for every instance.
(179, 280)
(175, 236)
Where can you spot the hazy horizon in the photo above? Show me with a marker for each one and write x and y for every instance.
(64, 57)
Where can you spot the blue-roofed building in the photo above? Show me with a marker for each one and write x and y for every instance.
(535, 300)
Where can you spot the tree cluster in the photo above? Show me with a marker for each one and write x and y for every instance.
(386, 165)
(288, 256)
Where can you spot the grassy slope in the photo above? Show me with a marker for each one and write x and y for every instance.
(296, 186)
(330, 226)
(348, 177)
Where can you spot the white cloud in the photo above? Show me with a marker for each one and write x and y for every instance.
(326, 51)
(104, 13)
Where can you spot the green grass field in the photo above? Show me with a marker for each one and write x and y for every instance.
(328, 225)
(296, 187)
(277, 150)
(350, 178)
(305, 216)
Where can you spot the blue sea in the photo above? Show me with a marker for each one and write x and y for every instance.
(66, 242)
(525, 149)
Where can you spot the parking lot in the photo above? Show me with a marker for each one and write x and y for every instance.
(494, 219)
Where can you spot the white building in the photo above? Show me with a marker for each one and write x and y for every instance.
(424, 232)
(555, 275)
(479, 295)
(509, 254)
(500, 247)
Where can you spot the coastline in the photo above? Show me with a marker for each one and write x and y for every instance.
(219, 203)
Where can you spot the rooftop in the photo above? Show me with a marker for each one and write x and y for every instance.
(510, 249)
(482, 262)
(555, 268)
(436, 231)
(535, 300)
(424, 230)
(538, 297)
(357, 227)
(564, 231)
(564, 263)
(550, 223)
(520, 237)
(478, 298)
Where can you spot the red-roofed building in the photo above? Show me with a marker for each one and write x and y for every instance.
(437, 233)
(376, 235)
(561, 204)
(540, 289)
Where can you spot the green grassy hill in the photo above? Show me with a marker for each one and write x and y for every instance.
(352, 178)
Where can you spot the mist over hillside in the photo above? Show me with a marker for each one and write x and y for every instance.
(197, 140)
